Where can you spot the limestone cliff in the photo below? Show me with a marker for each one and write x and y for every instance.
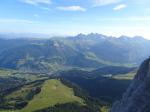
(137, 96)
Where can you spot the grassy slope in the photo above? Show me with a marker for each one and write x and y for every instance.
(5, 72)
(128, 76)
(53, 92)
(92, 56)
(105, 109)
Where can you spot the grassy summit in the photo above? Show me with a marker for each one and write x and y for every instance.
(52, 92)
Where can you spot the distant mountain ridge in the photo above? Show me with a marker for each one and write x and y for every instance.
(82, 51)
(118, 50)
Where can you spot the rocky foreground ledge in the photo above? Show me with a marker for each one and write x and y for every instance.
(137, 96)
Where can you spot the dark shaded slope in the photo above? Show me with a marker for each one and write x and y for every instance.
(103, 88)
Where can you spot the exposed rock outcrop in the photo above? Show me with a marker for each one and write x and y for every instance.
(137, 96)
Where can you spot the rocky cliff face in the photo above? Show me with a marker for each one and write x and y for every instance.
(137, 96)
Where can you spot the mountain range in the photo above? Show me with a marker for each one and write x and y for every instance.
(83, 73)
(82, 51)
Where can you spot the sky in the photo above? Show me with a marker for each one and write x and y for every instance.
(70, 17)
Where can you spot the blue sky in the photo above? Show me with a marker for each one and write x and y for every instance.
(70, 17)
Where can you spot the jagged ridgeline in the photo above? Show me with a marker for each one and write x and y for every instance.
(82, 51)
(136, 98)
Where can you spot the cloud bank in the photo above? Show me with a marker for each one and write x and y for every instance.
(71, 8)
(37, 2)
(104, 2)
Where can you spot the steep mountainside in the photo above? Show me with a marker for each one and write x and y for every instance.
(137, 97)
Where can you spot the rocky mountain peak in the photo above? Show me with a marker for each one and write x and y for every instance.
(137, 96)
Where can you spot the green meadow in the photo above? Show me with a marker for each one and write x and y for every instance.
(52, 92)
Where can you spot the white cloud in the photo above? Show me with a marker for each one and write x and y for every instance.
(16, 21)
(71, 8)
(120, 7)
(37, 2)
(104, 2)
